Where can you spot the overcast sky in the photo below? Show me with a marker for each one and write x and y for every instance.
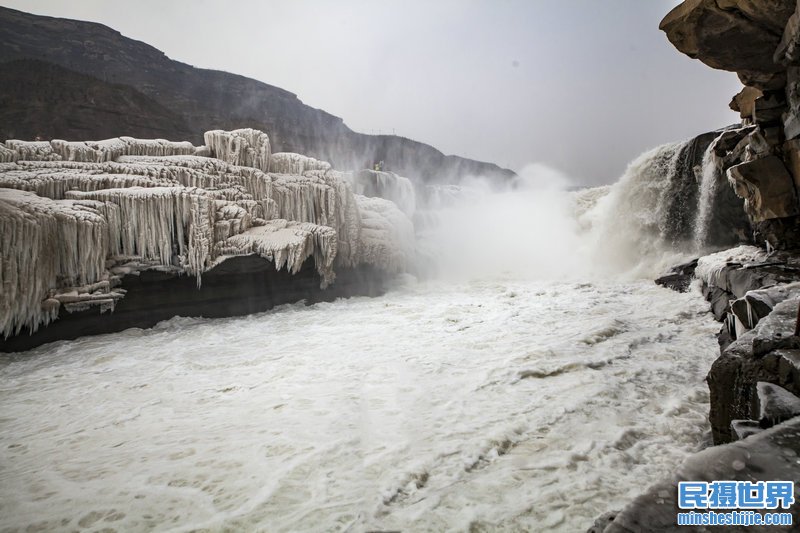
(580, 85)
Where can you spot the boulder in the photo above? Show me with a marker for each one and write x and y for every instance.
(744, 101)
(767, 188)
(769, 107)
(679, 277)
(735, 35)
(775, 404)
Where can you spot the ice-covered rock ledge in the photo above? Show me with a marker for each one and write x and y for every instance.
(76, 218)
(755, 294)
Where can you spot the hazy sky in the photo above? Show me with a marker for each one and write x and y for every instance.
(581, 85)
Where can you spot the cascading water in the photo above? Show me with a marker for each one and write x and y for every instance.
(709, 185)
(669, 204)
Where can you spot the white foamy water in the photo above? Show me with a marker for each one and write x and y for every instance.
(499, 405)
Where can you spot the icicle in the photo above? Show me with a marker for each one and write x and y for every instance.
(288, 244)
(45, 244)
(246, 147)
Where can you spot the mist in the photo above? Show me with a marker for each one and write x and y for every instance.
(544, 227)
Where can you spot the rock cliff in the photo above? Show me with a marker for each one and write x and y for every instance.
(755, 383)
(757, 39)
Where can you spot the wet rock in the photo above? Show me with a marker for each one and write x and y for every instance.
(679, 277)
(757, 356)
(780, 233)
(757, 304)
(766, 456)
(775, 404)
(237, 286)
(788, 367)
(741, 429)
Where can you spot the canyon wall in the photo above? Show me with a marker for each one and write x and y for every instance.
(49, 65)
(757, 39)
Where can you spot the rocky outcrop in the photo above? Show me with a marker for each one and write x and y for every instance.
(766, 355)
(736, 35)
(41, 99)
(757, 39)
(122, 73)
(754, 386)
(78, 218)
(679, 278)
(765, 456)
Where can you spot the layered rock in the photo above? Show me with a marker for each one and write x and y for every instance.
(736, 35)
(77, 217)
(757, 39)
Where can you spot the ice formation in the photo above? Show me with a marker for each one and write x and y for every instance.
(710, 267)
(76, 216)
(246, 147)
(290, 163)
(387, 185)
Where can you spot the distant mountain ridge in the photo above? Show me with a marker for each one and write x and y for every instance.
(108, 68)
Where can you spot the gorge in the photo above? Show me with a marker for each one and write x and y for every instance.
(236, 325)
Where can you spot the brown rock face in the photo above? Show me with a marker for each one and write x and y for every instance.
(735, 35)
(745, 101)
(766, 186)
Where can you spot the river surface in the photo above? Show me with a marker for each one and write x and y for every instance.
(500, 405)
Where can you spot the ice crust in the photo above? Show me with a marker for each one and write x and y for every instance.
(77, 214)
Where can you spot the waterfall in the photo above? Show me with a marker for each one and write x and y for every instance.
(644, 212)
(709, 185)
(668, 202)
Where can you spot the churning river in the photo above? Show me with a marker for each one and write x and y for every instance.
(484, 405)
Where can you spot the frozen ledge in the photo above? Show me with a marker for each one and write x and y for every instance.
(76, 216)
